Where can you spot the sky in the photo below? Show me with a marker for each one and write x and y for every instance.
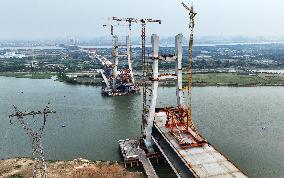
(44, 19)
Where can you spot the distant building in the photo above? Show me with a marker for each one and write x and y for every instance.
(12, 55)
(204, 57)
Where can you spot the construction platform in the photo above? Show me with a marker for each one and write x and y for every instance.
(203, 161)
(111, 92)
(134, 155)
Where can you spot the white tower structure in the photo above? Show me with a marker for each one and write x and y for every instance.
(179, 89)
(156, 77)
(129, 55)
(115, 60)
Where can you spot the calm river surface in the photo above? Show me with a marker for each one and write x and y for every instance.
(230, 118)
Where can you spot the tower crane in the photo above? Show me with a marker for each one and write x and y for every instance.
(179, 119)
(143, 22)
(144, 67)
(111, 28)
(123, 80)
(191, 26)
(130, 21)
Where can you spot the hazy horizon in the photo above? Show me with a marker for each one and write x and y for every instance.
(53, 19)
(198, 39)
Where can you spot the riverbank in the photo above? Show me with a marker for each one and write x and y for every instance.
(22, 168)
(31, 75)
(201, 79)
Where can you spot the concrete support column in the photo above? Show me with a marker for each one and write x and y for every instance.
(115, 60)
(129, 57)
(155, 83)
(178, 69)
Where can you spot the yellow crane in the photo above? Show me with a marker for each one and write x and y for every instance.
(191, 26)
(145, 110)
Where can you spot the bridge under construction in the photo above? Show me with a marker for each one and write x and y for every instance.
(118, 82)
(170, 132)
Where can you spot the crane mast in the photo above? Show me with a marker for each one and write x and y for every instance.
(191, 26)
(145, 109)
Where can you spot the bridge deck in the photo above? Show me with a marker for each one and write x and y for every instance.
(203, 161)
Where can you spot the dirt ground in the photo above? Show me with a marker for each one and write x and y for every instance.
(78, 168)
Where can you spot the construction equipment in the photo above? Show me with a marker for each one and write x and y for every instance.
(117, 83)
(191, 26)
(179, 119)
(145, 68)
(111, 29)
(128, 20)
(128, 41)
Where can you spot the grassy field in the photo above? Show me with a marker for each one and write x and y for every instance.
(231, 79)
(32, 75)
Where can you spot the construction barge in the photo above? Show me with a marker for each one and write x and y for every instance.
(135, 153)
(122, 85)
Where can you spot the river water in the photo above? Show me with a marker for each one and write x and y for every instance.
(229, 118)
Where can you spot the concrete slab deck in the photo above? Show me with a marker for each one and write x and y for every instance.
(203, 161)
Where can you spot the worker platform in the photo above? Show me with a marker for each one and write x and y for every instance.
(134, 154)
(202, 161)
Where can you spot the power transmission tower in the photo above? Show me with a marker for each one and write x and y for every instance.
(39, 167)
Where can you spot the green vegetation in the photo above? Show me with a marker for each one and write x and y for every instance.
(16, 176)
(229, 79)
(232, 79)
(201, 79)
(32, 75)
(83, 80)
